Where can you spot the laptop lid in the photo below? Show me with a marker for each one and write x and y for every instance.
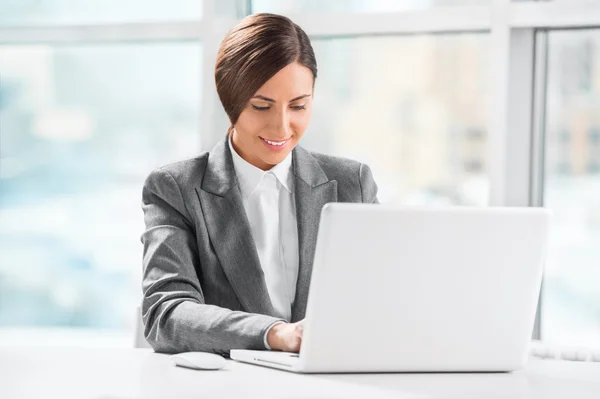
(421, 289)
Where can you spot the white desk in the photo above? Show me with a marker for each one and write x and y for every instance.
(139, 373)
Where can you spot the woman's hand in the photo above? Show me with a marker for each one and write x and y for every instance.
(286, 337)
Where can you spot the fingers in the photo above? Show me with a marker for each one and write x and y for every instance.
(297, 342)
(300, 326)
(291, 337)
(294, 337)
(299, 329)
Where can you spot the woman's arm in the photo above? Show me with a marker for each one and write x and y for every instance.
(176, 317)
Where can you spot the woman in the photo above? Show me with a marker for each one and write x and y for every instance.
(230, 235)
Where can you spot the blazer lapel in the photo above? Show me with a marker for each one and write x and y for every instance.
(313, 190)
(229, 231)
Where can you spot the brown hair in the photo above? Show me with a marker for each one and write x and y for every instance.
(254, 50)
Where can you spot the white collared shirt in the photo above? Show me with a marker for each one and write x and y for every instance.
(269, 201)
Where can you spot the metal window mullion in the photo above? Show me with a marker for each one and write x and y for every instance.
(557, 15)
(206, 124)
(537, 166)
(538, 143)
(519, 117)
(514, 86)
(512, 81)
(214, 122)
(498, 85)
(179, 30)
(434, 20)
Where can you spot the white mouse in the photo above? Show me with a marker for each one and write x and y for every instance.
(199, 360)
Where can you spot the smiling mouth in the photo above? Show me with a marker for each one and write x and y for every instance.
(275, 142)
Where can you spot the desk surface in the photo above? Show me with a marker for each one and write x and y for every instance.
(139, 373)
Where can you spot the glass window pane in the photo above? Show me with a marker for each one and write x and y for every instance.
(82, 126)
(294, 6)
(415, 108)
(571, 292)
(34, 12)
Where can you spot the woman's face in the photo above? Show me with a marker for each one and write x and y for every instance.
(275, 118)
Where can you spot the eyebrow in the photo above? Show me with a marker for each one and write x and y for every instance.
(273, 101)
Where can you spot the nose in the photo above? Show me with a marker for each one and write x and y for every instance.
(283, 123)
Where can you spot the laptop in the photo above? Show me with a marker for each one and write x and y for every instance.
(398, 289)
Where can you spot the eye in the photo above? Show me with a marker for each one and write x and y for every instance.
(299, 107)
(256, 107)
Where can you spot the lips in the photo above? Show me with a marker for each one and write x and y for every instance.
(275, 144)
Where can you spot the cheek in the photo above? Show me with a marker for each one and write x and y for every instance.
(250, 122)
(300, 121)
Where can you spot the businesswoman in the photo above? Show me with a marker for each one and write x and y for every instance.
(230, 235)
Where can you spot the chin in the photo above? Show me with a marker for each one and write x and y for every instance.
(273, 161)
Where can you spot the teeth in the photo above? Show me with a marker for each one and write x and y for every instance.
(275, 143)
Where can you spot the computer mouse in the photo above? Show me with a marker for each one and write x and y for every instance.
(199, 360)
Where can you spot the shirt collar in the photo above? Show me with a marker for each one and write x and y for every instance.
(249, 176)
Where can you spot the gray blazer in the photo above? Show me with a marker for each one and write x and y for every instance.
(204, 289)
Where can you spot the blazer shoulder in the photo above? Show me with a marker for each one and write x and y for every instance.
(355, 180)
(185, 171)
(338, 168)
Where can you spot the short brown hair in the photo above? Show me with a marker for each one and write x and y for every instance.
(252, 52)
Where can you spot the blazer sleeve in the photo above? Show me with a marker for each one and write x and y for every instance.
(176, 317)
(368, 186)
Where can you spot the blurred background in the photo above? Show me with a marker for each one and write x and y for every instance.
(95, 94)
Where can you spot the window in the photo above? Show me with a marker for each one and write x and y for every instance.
(82, 126)
(412, 107)
(571, 293)
(442, 98)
